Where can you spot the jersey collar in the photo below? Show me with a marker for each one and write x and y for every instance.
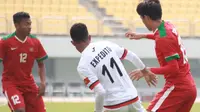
(160, 26)
(21, 40)
(155, 31)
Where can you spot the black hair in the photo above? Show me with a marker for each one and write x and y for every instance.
(151, 8)
(79, 32)
(17, 17)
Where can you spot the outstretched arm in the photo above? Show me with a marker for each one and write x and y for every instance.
(150, 36)
(171, 67)
(133, 58)
(137, 36)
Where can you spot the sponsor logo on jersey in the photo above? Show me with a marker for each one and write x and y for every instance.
(13, 48)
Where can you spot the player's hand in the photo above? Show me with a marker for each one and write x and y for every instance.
(41, 89)
(150, 77)
(136, 75)
(133, 35)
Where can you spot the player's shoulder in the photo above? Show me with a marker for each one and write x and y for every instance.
(165, 30)
(9, 36)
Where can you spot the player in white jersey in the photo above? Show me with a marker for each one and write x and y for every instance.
(101, 68)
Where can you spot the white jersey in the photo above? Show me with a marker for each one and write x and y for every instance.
(100, 63)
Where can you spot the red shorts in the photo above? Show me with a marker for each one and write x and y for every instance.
(172, 99)
(18, 98)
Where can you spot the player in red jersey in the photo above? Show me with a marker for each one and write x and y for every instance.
(179, 92)
(18, 51)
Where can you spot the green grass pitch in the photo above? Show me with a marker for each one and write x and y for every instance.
(80, 107)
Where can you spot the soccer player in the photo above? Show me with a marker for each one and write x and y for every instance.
(18, 51)
(101, 68)
(179, 92)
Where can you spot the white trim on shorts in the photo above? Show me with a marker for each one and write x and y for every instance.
(162, 99)
(6, 95)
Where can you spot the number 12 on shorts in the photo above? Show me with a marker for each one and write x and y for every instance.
(15, 99)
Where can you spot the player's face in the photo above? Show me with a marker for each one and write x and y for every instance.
(147, 22)
(24, 26)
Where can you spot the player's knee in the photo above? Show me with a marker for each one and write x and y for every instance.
(20, 110)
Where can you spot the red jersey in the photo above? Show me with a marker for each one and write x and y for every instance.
(168, 47)
(18, 58)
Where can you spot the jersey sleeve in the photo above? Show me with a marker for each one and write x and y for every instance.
(168, 49)
(89, 78)
(41, 54)
(150, 36)
(2, 50)
(120, 51)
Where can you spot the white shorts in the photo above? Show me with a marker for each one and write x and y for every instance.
(135, 107)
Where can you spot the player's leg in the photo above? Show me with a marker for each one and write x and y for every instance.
(187, 105)
(15, 99)
(33, 102)
(136, 107)
(168, 100)
(171, 99)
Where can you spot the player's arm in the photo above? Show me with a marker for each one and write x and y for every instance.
(150, 36)
(41, 56)
(42, 75)
(2, 50)
(93, 83)
(99, 97)
(133, 58)
(171, 57)
(136, 36)
(123, 53)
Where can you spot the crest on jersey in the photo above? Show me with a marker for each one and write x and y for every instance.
(31, 49)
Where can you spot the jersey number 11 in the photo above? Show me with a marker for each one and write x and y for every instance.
(112, 64)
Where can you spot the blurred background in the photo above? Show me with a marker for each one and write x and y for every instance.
(106, 20)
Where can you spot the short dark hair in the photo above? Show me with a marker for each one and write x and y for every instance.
(79, 32)
(17, 17)
(151, 8)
